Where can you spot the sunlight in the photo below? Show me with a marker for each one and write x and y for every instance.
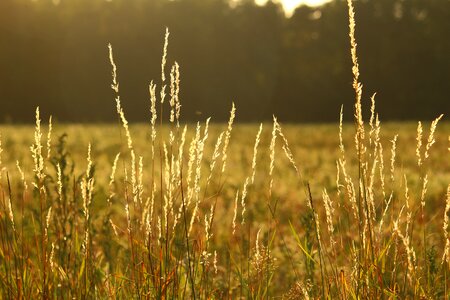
(290, 5)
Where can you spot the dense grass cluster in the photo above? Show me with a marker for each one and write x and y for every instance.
(178, 214)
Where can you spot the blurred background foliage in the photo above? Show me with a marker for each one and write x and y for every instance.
(54, 54)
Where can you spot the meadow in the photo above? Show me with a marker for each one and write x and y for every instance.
(165, 210)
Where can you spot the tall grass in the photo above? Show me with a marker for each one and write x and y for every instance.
(170, 222)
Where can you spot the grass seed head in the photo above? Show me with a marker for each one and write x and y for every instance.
(446, 255)
(419, 143)
(431, 139)
(227, 137)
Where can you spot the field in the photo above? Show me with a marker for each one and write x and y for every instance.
(225, 211)
(315, 149)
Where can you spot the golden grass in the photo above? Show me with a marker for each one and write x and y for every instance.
(157, 215)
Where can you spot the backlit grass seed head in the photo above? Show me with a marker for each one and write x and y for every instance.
(174, 93)
(128, 214)
(164, 57)
(51, 258)
(257, 258)
(89, 161)
(350, 188)
(250, 180)
(372, 121)
(446, 256)
(341, 139)
(207, 233)
(338, 178)
(177, 99)
(408, 210)
(140, 182)
(262, 261)
(357, 86)
(235, 213)
(370, 188)
(272, 152)
(49, 138)
(153, 113)
(191, 163)
(377, 130)
(177, 173)
(352, 197)
(215, 262)
(47, 221)
(115, 87)
(22, 174)
(386, 208)
(204, 258)
(374, 137)
(159, 230)
(199, 155)
(298, 291)
(411, 254)
(87, 186)
(381, 169)
(114, 227)
(431, 139)
(255, 152)
(352, 26)
(134, 176)
(162, 94)
(124, 123)
(113, 170)
(227, 137)
(329, 210)
(216, 154)
(85, 244)
(243, 197)
(115, 84)
(424, 190)
(419, 143)
(359, 136)
(180, 159)
(86, 194)
(341, 163)
(393, 154)
(208, 224)
(60, 184)
(288, 152)
(36, 149)
(148, 227)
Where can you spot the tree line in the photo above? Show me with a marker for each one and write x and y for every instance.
(54, 54)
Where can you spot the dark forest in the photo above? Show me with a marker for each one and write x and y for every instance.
(55, 56)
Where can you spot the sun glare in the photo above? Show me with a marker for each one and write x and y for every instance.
(290, 5)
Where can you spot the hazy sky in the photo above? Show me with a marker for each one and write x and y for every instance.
(290, 5)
